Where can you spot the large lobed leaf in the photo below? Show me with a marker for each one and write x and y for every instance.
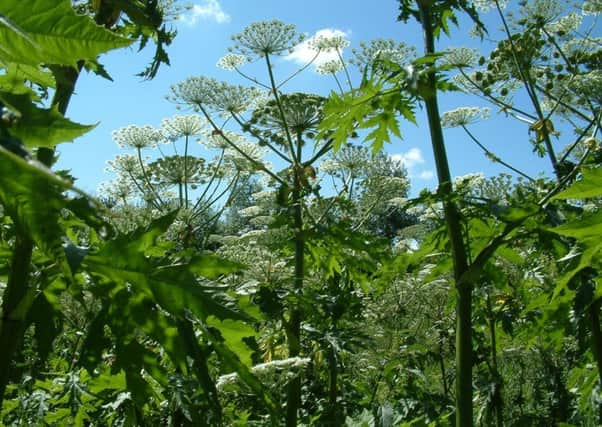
(40, 127)
(37, 32)
(32, 197)
(589, 186)
(125, 260)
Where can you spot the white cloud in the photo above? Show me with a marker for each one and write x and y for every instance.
(427, 174)
(207, 10)
(303, 53)
(410, 158)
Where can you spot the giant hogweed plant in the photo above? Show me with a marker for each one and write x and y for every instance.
(147, 187)
(133, 302)
(285, 126)
(543, 55)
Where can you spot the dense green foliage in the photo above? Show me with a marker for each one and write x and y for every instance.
(302, 288)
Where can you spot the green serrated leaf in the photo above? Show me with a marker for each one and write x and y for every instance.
(589, 186)
(245, 374)
(233, 332)
(45, 318)
(41, 127)
(32, 196)
(50, 32)
(587, 227)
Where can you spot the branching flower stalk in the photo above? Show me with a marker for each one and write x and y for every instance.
(260, 166)
(149, 185)
(529, 87)
(494, 157)
(287, 131)
(299, 71)
(264, 141)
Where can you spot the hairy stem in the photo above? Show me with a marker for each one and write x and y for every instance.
(293, 329)
(459, 253)
(18, 295)
(594, 314)
(186, 172)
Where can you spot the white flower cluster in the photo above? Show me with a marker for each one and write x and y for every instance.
(250, 211)
(179, 126)
(232, 61)
(251, 150)
(266, 38)
(485, 6)
(461, 57)
(124, 164)
(588, 85)
(388, 49)
(264, 369)
(328, 43)
(120, 189)
(218, 139)
(591, 7)
(468, 181)
(215, 95)
(463, 116)
(138, 137)
(566, 24)
(330, 67)
(195, 90)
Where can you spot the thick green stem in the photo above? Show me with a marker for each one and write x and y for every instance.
(454, 228)
(497, 402)
(293, 330)
(17, 298)
(185, 173)
(594, 314)
(13, 321)
(334, 418)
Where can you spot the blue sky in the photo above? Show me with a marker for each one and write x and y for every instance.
(203, 38)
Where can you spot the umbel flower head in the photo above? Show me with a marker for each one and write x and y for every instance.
(138, 137)
(195, 90)
(461, 57)
(175, 170)
(120, 190)
(330, 67)
(389, 49)
(179, 126)
(232, 61)
(463, 116)
(217, 139)
(591, 7)
(266, 38)
(328, 43)
(302, 112)
(215, 95)
(126, 164)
